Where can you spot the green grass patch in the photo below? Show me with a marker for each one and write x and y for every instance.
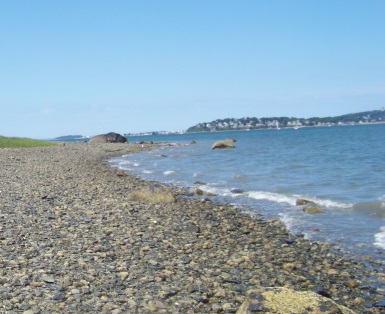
(15, 142)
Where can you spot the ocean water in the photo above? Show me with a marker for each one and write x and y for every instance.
(342, 169)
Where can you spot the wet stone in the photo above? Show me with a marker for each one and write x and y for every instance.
(58, 296)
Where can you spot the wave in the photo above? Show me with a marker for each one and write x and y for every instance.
(169, 172)
(124, 163)
(292, 199)
(380, 238)
(212, 188)
(382, 200)
(275, 197)
(374, 209)
(287, 220)
(297, 225)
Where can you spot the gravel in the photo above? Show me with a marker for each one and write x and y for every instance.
(71, 241)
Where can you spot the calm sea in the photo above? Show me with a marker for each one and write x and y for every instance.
(342, 169)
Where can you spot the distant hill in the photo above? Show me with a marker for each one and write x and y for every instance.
(71, 138)
(375, 116)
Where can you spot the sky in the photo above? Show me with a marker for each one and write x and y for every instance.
(88, 67)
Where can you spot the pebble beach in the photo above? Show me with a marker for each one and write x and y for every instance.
(72, 241)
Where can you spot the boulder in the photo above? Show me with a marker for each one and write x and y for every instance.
(285, 301)
(224, 143)
(108, 138)
(301, 201)
(308, 206)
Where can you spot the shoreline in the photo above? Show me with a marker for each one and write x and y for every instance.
(73, 242)
(282, 128)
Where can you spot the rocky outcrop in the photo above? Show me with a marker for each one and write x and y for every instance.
(287, 301)
(224, 143)
(108, 138)
(308, 206)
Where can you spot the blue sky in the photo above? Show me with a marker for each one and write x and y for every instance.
(90, 66)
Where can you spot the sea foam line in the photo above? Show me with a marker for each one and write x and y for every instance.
(292, 199)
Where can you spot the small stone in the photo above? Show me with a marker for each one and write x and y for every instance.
(359, 301)
(227, 306)
(220, 293)
(58, 296)
(332, 271)
(167, 294)
(123, 275)
(193, 228)
(321, 291)
(121, 173)
(129, 292)
(47, 279)
(185, 260)
(351, 283)
(197, 191)
(156, 306)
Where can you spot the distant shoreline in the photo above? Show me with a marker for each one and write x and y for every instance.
(285, 128)
(366, 117)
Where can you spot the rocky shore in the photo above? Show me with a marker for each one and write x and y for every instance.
(72, 241)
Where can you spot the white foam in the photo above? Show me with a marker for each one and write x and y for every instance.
(382, 200)
(380, 238)
(169, 172)
(287, 221)
(123, 162)
(147, 171)
(275, 197)
(332, 204)
(215, 190)
(292, 199)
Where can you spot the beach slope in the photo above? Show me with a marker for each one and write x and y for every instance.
(73, 241)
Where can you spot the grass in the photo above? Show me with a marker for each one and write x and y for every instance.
(155, 194)
(16, 142)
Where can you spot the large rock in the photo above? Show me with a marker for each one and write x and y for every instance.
(224, 143)
(286, 301)
(308, 206)
(108, 138)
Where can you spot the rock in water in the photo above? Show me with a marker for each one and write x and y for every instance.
(285, 301)
(309, 206)
(224, 143)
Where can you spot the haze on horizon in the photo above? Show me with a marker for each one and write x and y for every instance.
(91, 66)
